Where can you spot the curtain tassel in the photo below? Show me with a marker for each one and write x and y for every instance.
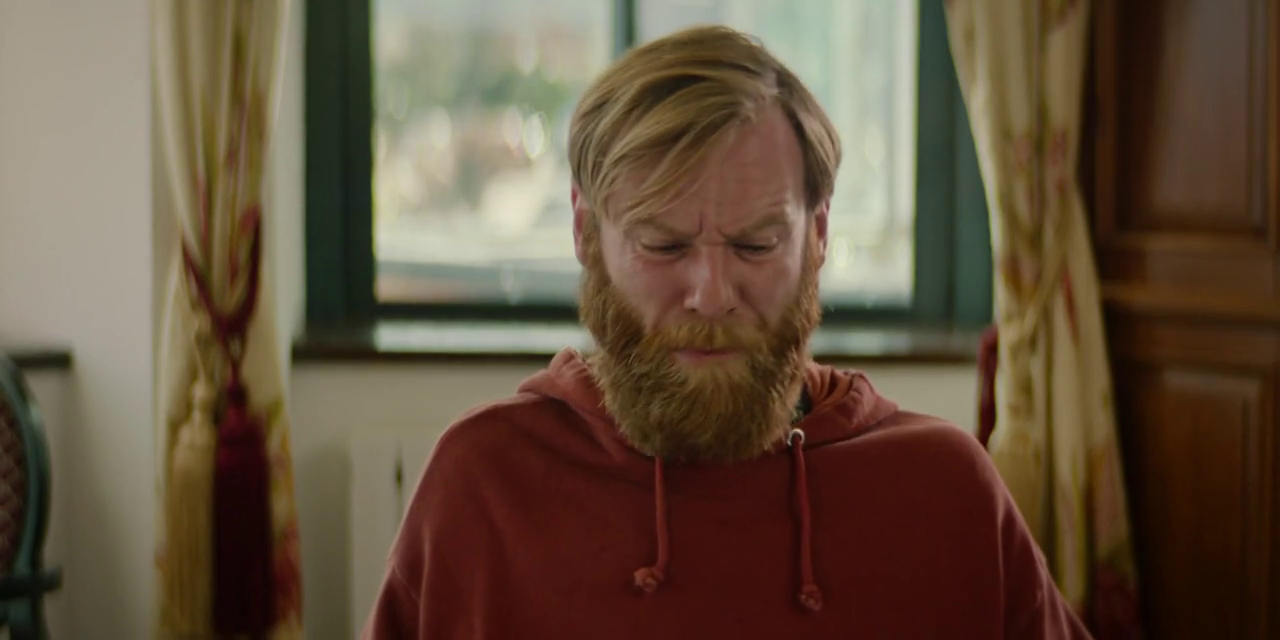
(189, 519)
(245, 593)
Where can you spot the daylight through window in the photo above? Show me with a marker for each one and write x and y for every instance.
(472, 102)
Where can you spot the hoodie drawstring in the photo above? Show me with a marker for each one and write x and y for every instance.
(650, 578)
(810, 596)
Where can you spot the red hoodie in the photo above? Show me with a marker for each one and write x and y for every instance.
(535, 519)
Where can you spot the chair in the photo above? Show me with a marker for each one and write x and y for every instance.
(24, 509)
(988, 358)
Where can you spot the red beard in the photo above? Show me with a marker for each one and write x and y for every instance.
(713, 412)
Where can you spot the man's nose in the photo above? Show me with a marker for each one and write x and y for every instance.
(711, 292)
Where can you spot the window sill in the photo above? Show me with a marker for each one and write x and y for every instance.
(31, 359)
(517, 342)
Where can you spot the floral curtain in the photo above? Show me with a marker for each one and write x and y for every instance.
(227, 556)
(1021, 69)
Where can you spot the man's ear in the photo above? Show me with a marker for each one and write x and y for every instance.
(820, 227)
(581, 218)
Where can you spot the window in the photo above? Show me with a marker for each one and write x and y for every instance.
(438, 183)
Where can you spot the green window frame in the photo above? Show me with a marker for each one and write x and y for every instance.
(953, 277)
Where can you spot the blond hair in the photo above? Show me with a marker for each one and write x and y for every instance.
(662, 105)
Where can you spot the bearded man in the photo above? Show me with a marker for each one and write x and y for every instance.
(698, 475)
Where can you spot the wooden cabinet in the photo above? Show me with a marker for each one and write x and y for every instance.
(1180, 162)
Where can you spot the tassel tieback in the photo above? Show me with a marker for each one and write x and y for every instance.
(243, 580)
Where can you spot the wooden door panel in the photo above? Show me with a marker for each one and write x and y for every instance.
(1183, 147)
(1185, 129)
(1196, 440)
(1183, 105)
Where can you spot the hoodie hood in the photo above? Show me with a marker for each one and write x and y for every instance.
(843, 405)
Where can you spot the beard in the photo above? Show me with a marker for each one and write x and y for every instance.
(720, 411)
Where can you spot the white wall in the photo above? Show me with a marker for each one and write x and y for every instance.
(286, 188)
(75, 270)
(83, 243)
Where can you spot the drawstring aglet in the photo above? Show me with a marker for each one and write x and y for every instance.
(648, 579)
(811, 597)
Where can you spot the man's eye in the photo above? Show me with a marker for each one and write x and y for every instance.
(666, 249)
(754, 249)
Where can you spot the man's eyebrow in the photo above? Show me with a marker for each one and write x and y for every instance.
(770, 221)
(656, 225)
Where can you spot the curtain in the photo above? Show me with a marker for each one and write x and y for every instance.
(1021, 65)
(227, 557)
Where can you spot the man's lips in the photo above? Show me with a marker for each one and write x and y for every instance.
(704, 355)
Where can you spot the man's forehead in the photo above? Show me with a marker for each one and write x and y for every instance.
(680, 221)
(726, 209)
(753, 168)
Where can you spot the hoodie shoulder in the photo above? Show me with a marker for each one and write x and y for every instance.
(950, 456)
(477, 450)
(482, 454)
(501, 423)
(912, 425)
(925, 435)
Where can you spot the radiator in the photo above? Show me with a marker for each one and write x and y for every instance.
(385, 467)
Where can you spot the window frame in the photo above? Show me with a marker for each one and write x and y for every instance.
(953, 277)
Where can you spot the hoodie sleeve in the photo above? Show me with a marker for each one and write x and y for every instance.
(395, 612)
(1034, 607)
(431, 582)
(398, 612)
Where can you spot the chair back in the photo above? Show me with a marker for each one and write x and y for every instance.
(988, 359)
(24, 474)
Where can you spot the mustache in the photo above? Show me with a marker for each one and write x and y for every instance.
(709, 335)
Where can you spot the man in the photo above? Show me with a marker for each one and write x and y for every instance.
(697, 475)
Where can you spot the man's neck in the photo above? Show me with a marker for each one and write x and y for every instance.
(803, 405)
